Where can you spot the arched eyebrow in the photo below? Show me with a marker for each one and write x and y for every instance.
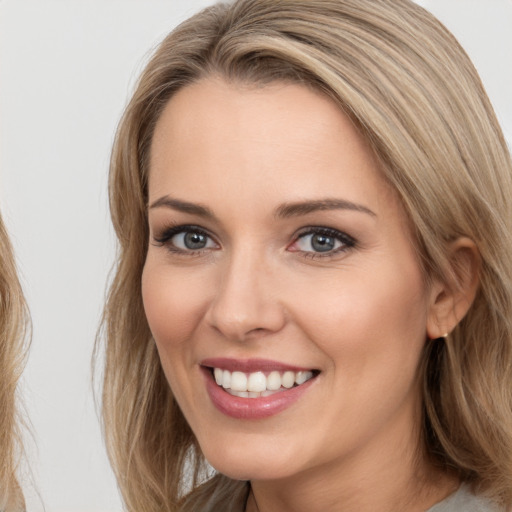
(283, 211)
(183, 206)
(304, 207)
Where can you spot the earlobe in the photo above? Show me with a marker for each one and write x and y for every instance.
(450, 300)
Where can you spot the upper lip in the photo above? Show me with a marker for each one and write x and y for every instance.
(251, 365)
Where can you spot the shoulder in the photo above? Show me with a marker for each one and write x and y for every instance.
(463, 500)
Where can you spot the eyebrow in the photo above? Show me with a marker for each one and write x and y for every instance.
(183, 206)
(283, 211)
(304, 207)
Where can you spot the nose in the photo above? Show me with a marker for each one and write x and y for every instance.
(246, 303)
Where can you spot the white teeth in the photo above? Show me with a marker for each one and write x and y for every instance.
(218, 373)
(256, 384)
(274, 381)
(226, 379)
(288, 380)
(238, 381)
(302, 377)
(241, 394)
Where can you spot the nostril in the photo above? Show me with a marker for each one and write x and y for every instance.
(257, 330)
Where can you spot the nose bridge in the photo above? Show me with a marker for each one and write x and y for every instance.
(246, 301)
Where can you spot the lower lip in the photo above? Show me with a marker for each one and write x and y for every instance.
(252, 408)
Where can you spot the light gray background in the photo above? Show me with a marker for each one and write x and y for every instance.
(66, 70)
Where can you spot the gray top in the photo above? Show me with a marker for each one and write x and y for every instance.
(464, 500)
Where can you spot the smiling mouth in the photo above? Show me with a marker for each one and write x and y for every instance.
(260, 384)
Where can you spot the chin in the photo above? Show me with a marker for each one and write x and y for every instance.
(242, 470)
(259, 463)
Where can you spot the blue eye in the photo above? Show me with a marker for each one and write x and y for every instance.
(186, 239)
(322, 241)
(318, 243)
(192, 241)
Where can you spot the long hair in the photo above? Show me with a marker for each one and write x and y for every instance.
(13, 325)
(414, 94)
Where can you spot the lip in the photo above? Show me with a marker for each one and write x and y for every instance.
(250, 365)
(251, 408)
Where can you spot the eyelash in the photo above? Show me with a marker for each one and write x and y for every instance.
(347, 242)
(165, 239)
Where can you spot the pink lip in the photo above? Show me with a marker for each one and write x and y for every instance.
(250, 365)
(251, 408)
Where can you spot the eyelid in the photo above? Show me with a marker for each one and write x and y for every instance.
(167, 233)
(348, 242)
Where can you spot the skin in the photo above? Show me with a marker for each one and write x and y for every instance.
(360, 314)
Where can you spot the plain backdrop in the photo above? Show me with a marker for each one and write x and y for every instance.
(66, 70)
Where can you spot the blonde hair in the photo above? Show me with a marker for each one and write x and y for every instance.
(414, 94)
(13, 324)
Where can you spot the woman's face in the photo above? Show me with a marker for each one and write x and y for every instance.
(280, 261)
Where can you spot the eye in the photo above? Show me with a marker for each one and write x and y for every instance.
(191, 240)
(186, 239)
(322, 241)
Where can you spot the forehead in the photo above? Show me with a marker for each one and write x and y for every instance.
(284, 139)
(237, 115)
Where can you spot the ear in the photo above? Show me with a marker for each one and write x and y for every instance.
(451, 300)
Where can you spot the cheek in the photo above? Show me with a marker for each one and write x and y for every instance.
(372, 332)
(173, 303)
(363, 320)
